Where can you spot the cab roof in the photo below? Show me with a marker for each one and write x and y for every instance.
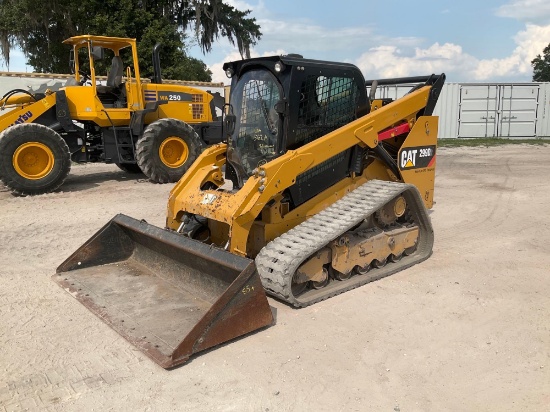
(113, 43)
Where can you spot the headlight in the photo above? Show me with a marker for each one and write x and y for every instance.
(279, 67)
(229, 72)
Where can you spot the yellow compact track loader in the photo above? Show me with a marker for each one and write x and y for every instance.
(318, 190)
(155, 128)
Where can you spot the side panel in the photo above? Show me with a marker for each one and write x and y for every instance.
(85, 106)
(416, 158)
(185, 103)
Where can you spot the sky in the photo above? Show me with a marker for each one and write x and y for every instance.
(469, 40)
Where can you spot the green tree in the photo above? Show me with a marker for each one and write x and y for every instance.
(541, 66)
(40, 29)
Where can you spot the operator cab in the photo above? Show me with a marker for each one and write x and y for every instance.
(266, 90)
(90, 58)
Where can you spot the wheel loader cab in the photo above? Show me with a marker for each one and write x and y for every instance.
(112, 100)
(264, 94)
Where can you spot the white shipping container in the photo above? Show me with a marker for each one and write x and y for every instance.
(470, 110)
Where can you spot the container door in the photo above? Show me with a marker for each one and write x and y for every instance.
(478, 111)
(518, 110)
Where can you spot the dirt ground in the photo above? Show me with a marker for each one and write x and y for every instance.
(467, 330)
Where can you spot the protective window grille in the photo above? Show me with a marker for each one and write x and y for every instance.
(258, 96)
(198, 110)
(326, 104)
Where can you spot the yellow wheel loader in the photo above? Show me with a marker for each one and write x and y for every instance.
(318, 190)
(155, 128)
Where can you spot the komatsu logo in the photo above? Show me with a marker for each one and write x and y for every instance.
(22, 118)
(416, 157)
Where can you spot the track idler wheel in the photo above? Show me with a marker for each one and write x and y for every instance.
(392, 211)
(321, 283)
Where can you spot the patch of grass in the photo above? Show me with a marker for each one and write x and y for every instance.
(493, 141)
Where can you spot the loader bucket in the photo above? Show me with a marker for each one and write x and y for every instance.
(168, 295)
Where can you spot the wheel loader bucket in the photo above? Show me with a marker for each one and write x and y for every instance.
(168, 295)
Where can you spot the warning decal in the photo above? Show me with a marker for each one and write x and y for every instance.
(416, 157)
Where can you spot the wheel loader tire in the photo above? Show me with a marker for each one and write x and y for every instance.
(34, 159)
(166, 150)
(129, 168)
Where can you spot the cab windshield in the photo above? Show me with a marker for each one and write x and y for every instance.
(257, 127)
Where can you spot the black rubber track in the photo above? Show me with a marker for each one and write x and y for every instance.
(278, 260)
(147, 149)
(15, 136)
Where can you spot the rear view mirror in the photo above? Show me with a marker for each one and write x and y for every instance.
(229, 123)
(97, 52)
